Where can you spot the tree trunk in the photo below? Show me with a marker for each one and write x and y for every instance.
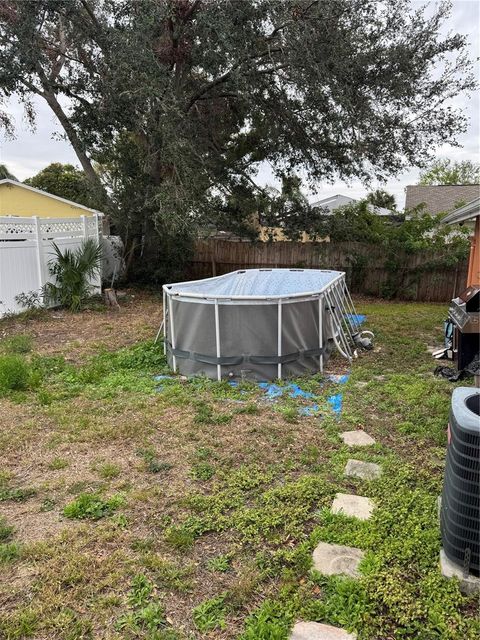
(111, 298)
(75, 142)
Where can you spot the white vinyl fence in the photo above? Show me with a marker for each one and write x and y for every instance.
(26, 249)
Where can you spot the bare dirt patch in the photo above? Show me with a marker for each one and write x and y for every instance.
(77, 335)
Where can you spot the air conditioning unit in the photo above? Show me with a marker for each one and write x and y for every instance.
(460, 510)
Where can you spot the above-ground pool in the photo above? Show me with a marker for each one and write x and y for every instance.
(258, 324)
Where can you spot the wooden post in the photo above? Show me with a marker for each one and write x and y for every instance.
(110, 298)
(473, 277)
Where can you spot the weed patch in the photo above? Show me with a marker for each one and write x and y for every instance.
(220, 563)
(211, 614)
(146, 617)
(6, 530)
(58, 463)
(91, 506)
(20, 343)
(15, 374)
(16, 494)
(202, 471)
(152, 463)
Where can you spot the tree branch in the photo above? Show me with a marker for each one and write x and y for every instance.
(224, 77)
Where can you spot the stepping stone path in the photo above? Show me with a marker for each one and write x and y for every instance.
(335, 559)
(364, 470)
(317, 631)
(354, 506)
(357, 438)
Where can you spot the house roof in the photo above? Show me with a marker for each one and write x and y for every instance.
(49, 195)
(467, 212)
(440, 198)
(334, 202)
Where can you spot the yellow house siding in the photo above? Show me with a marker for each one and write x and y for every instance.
(17, 201)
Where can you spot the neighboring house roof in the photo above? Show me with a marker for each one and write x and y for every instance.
(334, 202)
(440, 198)
(49, 195)
(467, 212)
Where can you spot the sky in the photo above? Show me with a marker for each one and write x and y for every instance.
(31, 151)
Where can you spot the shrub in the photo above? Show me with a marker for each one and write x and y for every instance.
(91, 506)
(14, 373)
(72, 272)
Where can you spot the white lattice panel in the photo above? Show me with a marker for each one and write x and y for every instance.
(10, 228)
(61, 228)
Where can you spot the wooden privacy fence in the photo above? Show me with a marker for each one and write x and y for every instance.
(421, 276)
(26, 249)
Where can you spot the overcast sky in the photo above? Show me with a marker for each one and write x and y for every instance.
(33, 150)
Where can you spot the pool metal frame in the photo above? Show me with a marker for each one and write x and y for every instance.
(334, 297)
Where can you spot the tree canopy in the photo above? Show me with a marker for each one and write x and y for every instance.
(181, 101)
(444, 172)
(5, 173)
(66, 181)
(381, 198)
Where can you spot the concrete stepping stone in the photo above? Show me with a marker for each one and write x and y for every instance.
(357, 438)
(335, 559)
(364, 470)
(317, 631)
(354, 506)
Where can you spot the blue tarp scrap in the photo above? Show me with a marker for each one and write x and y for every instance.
(160, 379)
(336, 401)
(311, 410)
(358, 318)
(341, 379)
(274, 391)
(298, 392)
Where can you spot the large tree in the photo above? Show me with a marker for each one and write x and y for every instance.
(381, 198)
(66, 181)
(444, 171)
(180, 101)
(5, 173)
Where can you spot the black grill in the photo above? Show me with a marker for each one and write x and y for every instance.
(460, 513)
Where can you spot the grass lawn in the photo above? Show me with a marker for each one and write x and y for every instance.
(192, 511)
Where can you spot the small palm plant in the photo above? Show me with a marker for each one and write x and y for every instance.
(72, 272)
